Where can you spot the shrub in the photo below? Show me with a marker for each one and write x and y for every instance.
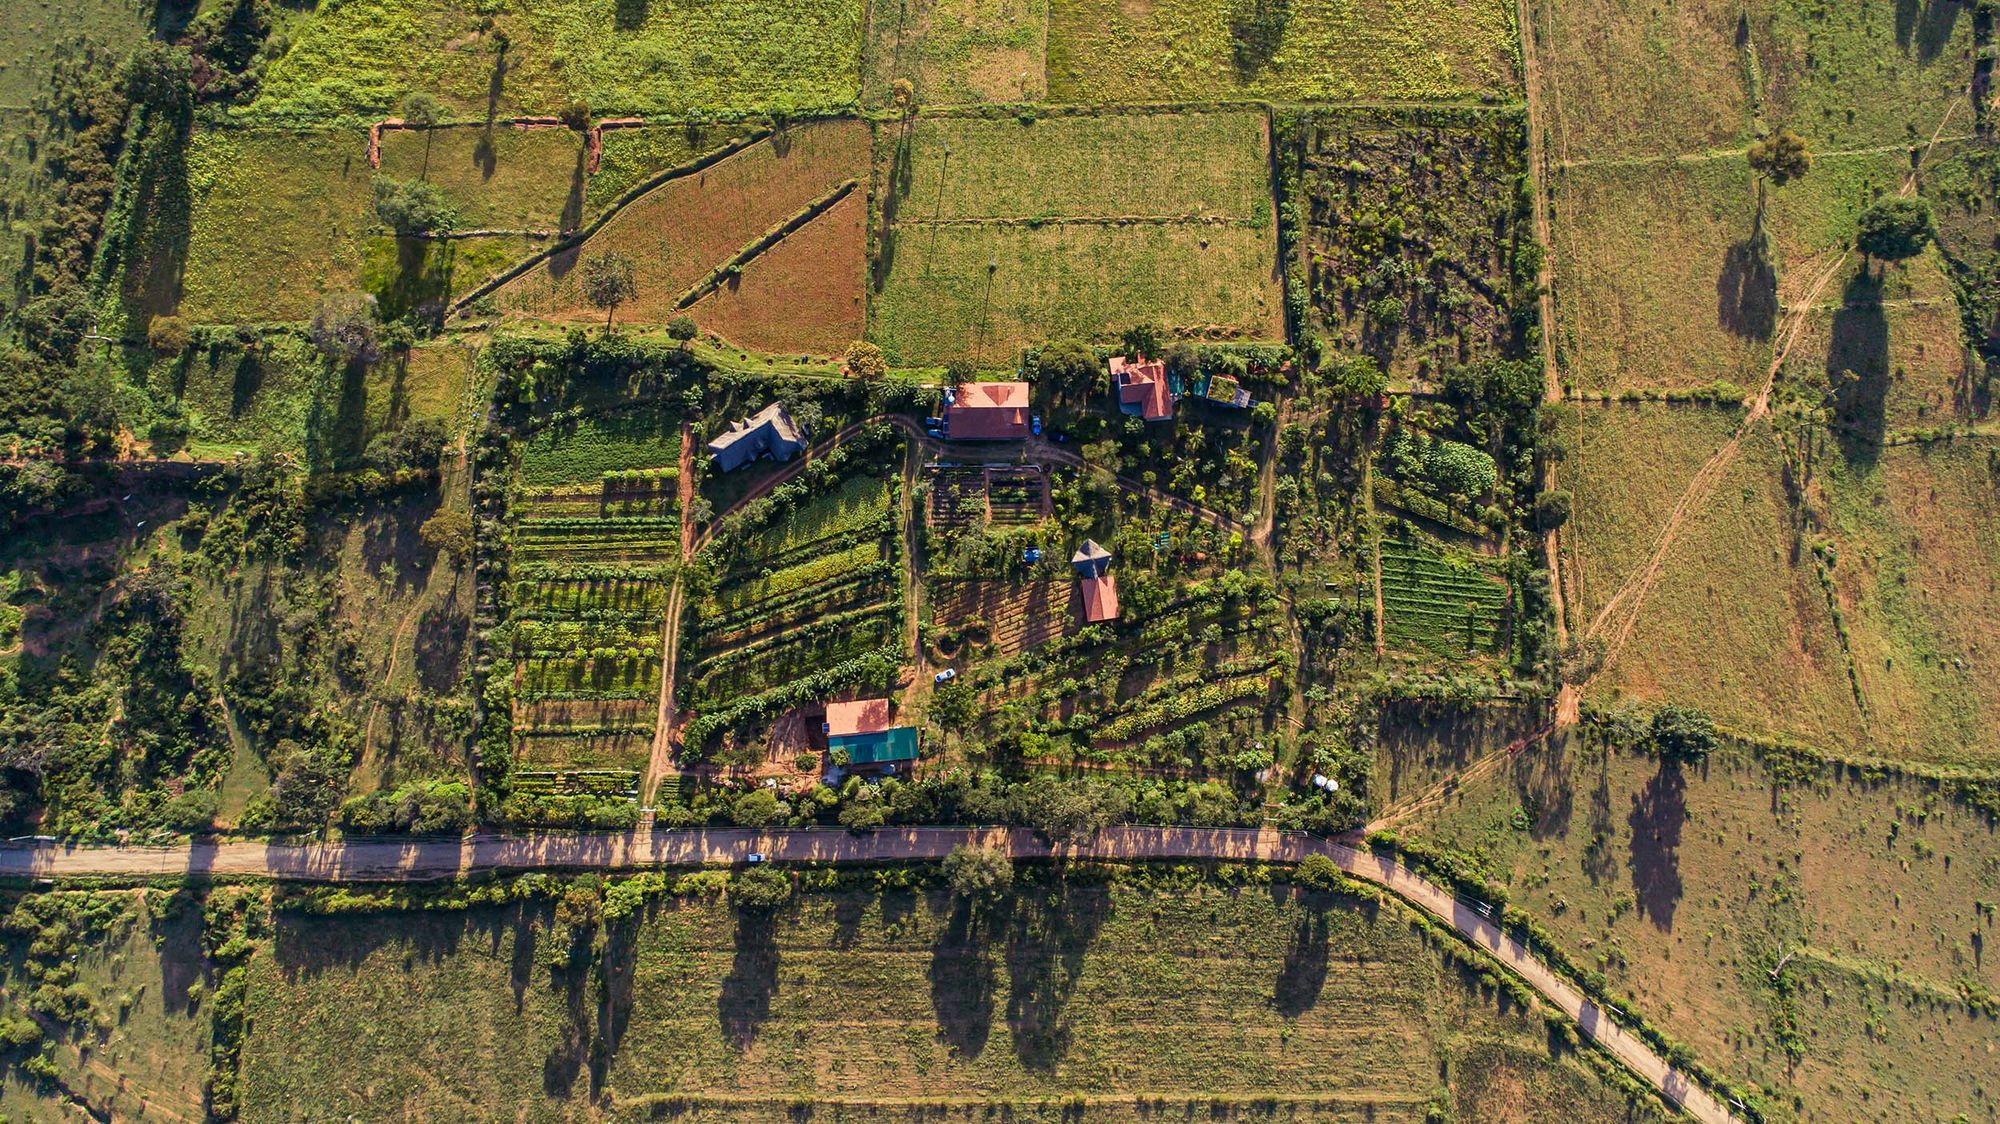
(1683, 733)
(413, 208)
(978, 872)
(1894, 228)
(866, 361)
(168, 335)
(760, 887)
(1552, 509)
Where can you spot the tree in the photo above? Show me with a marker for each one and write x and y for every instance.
(866, 361)
(760, 888)
(167, 335)
(1457, 469)
(1317, 872)
(1552, 509)
(1780, 157)
(1683, 733)
(609, 281)
(1894, 228)
(978, 872)
(682, 328)
(1063, 810)
(1069, 368)
(421, 111)
(449, 532)
(1142, 341)
(413, 208)
(755, 808)
(343, 328)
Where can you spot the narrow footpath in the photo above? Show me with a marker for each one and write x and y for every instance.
(381, 859)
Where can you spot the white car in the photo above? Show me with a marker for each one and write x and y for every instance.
(755, 857)
(945, 676)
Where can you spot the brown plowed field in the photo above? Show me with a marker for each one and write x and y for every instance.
(803, 294)
(683, 229)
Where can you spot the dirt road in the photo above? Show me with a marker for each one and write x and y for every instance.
(419, 859)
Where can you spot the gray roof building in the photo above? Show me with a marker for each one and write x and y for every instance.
(769, 432)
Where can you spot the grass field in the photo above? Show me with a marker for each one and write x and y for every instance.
(1737, 622)
(1660, 279)
(508, 179)
(954, 51)
(278, 219)
(1917, 563)
(630, 155)
(1186, 50)
(804, 294)
(142, 1050)
(1139, 1003)
(37, 34)
(512, 57)
(682, 231)
(1027, 232)
(1854, 77)
(1686, 886)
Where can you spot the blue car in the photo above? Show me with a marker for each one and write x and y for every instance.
(1035, 424)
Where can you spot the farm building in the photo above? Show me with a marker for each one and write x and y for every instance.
(1142, 388)
(861, 728)
(768, 432)
(1098, 588)
(987, 411)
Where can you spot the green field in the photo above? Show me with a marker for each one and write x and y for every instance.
(1438, 603)
(508, 179)
(1202, 999)
(583, 451)
(1184, 50)
(361, 57)
(1055, 228)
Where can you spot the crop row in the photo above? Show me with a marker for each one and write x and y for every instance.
(586, 730)
(856, 504)
(833, 596)
(783, 582)
(820, 627)
(733, 680)
(579, 782)
(1183, 705)
(587, 599)
(569, 634)
(606, 677)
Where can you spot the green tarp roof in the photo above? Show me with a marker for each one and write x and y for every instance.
(897, 743)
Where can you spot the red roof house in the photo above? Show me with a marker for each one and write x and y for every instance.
(860, 716)
(988, 411)
(1100, 599)
(1142, 388)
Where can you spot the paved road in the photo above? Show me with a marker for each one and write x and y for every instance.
(418, 859)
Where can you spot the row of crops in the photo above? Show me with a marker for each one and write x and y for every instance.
(1450, 606)
(816, 588)
(596, 542)
(1003, 497)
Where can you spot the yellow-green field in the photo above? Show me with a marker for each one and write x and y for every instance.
(1059, 226)
(1186, 50)
(956, 51)
(1120, 1002)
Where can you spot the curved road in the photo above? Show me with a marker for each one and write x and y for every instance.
(378, 859)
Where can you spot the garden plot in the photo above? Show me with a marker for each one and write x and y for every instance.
(1411, 228)
(1192, 50)
(804, 603)
(1060, 226)
(596, 542)
(1001, 618)
(513, 58)
(684, 233)
(1439, 603)
(963, 497)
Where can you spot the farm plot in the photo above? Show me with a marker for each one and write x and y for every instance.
(1060, 227)
(814, 593)
(962, 497)
(1411, 223)
(596, 541)
(1664, 282)
(684, 232)
(1001, 618)
(1439, 603)
(1192, 50)
(498, 178)
(803, 294)
(509, 58)
(1184, 688)
(955, 51)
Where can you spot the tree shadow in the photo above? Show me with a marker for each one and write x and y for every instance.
(1857, 366)
(1046, 943)
(1303, 975)
(629, 15)
(1256, 33)
(745, 1002)
(572, 212)
(1926, 26)
(440, 647)
(1544, 786)
(617, 968)
(898, 189)
(1597, 862)
(1746, 291)
(962, 976)
(245, 381)
(565, 1060)
(1659, 812)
